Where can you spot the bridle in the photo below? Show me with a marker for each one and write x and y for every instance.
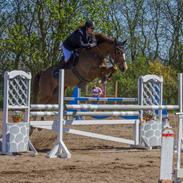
(118, 49)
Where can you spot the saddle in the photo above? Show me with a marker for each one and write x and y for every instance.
(71, 63)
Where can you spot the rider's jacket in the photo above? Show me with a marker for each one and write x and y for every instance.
(79, 39)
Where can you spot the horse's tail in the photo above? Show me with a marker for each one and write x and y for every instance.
(35, 86)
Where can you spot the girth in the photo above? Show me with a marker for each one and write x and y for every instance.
(82, 81)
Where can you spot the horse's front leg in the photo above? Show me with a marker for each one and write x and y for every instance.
(106, 73)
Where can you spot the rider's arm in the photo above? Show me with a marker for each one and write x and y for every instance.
(82, 44)
(78, 39)
(93, 41)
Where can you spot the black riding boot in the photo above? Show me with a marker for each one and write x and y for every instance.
(62, 65)
(73, 61)
(69, 64)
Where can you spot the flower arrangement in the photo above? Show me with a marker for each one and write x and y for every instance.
(148, 115)
(17, 116)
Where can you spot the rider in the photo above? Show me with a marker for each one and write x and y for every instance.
(80, 38)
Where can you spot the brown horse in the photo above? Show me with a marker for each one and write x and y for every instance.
(88, 68)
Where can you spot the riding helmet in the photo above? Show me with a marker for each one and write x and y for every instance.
(89, 24)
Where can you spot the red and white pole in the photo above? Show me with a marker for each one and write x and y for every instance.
(167, 149)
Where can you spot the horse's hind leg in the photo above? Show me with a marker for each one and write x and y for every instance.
(46, 85)
(42, 100)
(54, 98)
(55, 94)
(44, 94)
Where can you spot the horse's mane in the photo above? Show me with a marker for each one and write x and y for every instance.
(101, 38)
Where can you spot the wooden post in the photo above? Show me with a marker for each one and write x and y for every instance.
(116, 89)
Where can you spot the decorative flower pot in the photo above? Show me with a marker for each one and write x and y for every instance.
(17, 117)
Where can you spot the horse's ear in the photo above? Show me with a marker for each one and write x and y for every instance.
(124, 42)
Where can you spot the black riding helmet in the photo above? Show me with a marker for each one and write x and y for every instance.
(89, 24)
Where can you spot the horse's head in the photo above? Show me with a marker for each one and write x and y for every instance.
(114, 48)
(118, 55)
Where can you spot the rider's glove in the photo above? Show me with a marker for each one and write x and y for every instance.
(93, 45)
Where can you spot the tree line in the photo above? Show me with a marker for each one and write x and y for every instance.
(32, 30)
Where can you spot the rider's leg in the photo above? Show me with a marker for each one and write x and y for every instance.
(67, 57)
(67, 54)
(73, 60)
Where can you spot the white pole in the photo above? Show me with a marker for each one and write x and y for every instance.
(60, 148)
(5, 111)
(137, 132)
(161, 100)
(140, 96)
(180, 125)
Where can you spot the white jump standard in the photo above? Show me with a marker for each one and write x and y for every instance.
(17, 97)
(60, 148)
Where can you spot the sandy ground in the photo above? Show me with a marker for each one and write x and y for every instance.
(92, 160)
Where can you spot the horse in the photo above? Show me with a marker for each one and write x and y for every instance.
(45, 89)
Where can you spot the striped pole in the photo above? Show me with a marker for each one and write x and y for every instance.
(102, 99)
(83, 113)
(83, 99)
(44, 107)
(106, 107)
(122, 107)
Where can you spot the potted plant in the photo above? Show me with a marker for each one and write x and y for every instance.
(17, 116)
